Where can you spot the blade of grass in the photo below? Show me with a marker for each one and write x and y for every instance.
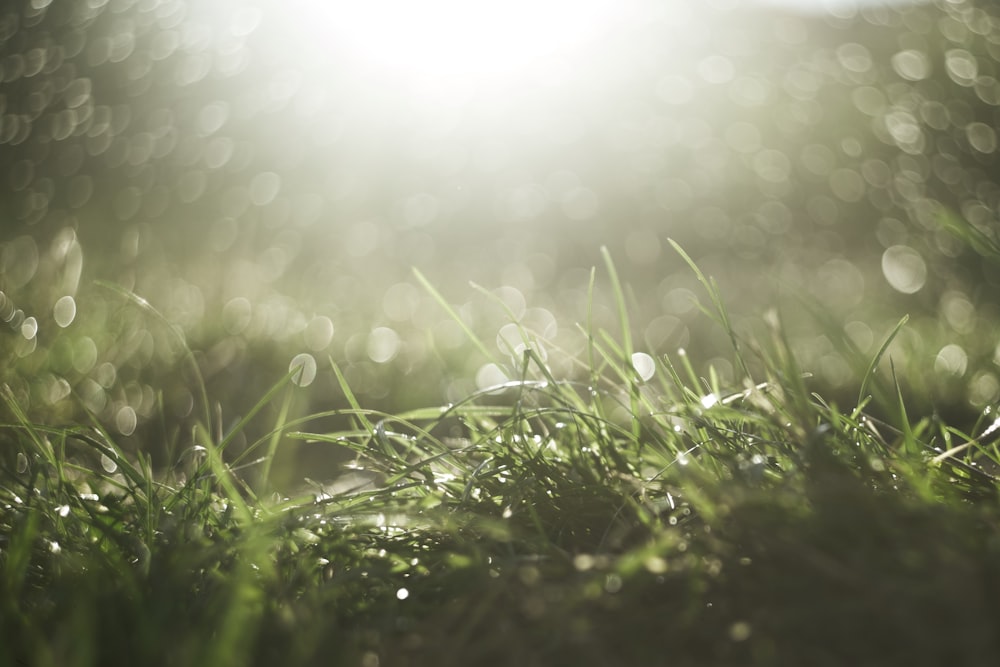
(965, 231)
(352, 400)
(627, 348)
(276, 433)
(148, 308)
(869, 375)
(455, 316)
(721, 314)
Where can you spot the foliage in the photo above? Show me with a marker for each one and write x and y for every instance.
(541, 521)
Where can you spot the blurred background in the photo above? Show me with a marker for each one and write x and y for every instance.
(266, 175)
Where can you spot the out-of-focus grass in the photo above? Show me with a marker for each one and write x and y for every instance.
(631, 519)
(269, 201)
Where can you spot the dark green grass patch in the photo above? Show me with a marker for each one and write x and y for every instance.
(632, 521)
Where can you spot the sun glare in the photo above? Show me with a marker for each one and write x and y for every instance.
(459, 46)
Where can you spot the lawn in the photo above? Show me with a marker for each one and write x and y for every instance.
(677, 349)
(643, 517)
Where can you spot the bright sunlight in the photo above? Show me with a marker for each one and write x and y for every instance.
(453, 48)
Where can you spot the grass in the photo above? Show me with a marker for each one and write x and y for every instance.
(540, 522)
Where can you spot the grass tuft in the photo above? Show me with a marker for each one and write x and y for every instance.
(541, 521)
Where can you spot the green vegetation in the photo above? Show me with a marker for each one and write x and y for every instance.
(682, 351)
(665, 520)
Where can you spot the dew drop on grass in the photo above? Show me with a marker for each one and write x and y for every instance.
(644, 365)
(490, 375)
(402, 594)
(306, 365)
(108, 463)
(64, 312)
(22, 462)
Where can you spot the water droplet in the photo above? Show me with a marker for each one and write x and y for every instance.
(951, 360)
(22, 463)
(318, 333)
(982, 137)
(644, 365)
(509, 339)
(383, 345)
(911, 64)
(29, 328)
(126, 422)
(108, 464)
(307, 369)
(490, 375)
(961, 66)
(904, 269)
(402, 594)
(64, 312)
(59, 389)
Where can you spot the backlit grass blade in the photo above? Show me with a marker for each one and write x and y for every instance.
(625, 364)
(470, 334)
(148, 308)
(869, 375)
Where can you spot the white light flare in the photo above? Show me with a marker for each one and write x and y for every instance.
(459, 47)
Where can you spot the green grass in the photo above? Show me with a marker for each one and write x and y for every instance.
(542, 522)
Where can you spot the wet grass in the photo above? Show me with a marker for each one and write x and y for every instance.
(614, 520)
